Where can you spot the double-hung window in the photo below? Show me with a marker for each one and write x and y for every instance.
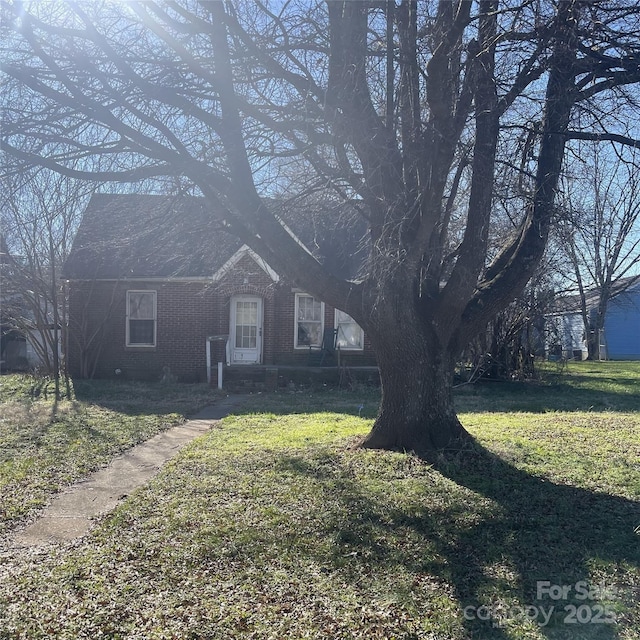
(309, 321)
(141, 318)
(349, 334)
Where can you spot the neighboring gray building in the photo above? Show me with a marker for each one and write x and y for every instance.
(620, 339)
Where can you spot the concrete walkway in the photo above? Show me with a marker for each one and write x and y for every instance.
(72, 512)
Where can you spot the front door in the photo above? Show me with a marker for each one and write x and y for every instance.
(246, 330)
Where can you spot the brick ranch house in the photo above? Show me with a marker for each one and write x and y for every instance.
(156, 288)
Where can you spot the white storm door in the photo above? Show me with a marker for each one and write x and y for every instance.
(246, 330)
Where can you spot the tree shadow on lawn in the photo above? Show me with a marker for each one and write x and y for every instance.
(135, 398)
(138, 398)
(536, 397)
(549, 533)
(483, 397)
(538, 532)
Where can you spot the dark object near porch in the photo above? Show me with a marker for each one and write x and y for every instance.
(326, 352)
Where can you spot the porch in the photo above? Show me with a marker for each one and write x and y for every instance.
(254, 378)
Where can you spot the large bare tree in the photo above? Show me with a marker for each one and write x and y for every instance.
(407, 110)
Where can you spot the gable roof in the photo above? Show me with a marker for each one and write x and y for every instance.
(244, 250)
(136, 235)
(335, 233)
(152, 236)
(571, 304)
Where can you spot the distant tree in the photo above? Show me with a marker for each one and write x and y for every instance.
(411, 109)
(600, 234)
(39, 213)
(512, 341)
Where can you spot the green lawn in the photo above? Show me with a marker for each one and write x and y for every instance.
(274, 526)
(46, 445)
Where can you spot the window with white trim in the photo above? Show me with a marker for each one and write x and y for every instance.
(349, 334)
(141, 318)
(309, 321)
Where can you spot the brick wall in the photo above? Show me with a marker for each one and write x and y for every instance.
(187, 313)
(285, 328)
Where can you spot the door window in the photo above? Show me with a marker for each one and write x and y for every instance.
(246, 324)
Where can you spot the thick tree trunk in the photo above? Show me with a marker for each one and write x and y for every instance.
(416, 411)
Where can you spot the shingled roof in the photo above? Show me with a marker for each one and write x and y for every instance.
(138, 235)
(152, 236)
(572, 303)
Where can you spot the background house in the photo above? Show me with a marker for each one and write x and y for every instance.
(157, 288)
(620, 339)
(564, 330)
(622, 326)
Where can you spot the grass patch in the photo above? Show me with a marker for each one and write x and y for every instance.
(272, 526)
(46, 445)
(576, 386)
